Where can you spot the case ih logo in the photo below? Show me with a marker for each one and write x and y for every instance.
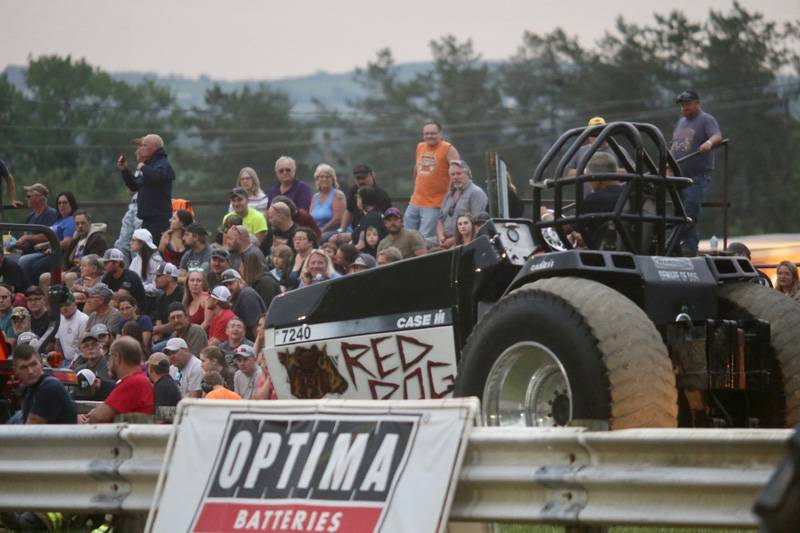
(307, 473)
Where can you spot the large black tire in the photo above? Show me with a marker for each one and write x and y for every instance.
(615, 361)
(744, 300)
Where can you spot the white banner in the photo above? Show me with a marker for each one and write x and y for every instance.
(324, 466)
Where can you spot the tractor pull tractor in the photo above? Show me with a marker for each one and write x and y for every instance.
(620, 333)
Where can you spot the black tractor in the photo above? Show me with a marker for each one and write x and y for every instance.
(573, 318)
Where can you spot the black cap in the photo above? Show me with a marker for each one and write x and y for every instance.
(239, 191)
(34, 290)
(221, 253)
(687, 96)
(359, 171)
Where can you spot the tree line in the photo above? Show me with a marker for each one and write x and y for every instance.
(66, 127)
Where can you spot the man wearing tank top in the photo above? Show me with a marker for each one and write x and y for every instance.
(431, 180)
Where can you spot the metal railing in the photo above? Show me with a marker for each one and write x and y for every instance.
(681, 477)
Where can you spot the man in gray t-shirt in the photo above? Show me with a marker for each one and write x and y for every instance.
(696, 131)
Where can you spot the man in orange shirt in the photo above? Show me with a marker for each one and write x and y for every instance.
(431, 180)
(214, 388)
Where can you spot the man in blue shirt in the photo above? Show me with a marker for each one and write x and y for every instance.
(696, 131)
(41, 213)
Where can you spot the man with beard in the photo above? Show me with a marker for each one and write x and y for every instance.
(88, 239)
(411, 243)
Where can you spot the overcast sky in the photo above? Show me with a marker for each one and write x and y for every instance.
(239, 39)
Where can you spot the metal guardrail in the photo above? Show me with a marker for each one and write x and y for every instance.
(680, 477)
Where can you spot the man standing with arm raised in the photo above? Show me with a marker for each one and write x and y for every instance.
(153, 181)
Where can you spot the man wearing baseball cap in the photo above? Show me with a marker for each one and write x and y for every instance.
(70, 326)
(411, 243)
(198, 253)
(364, 177)
(41, 213)
(219, 305)
(119, 279)
(166, 392)
(572, 166)
(254, 221)
(249, 377)
(696, 133)
(187, 369)
(98, 299)
(247, 304)
(171, 292)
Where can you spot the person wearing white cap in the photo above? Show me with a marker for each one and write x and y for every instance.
(145, 259)
(187, 369)
(219, 305)
(90, 387)
(70, 328)
(249, 377)
(120, 279)
(171, 292)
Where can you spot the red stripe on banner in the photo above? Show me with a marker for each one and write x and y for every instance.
(235, 517)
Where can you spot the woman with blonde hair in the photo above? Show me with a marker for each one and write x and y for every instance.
(317, 267)
(195, 297)
(787, 280)
(328, 203)
(256, 198)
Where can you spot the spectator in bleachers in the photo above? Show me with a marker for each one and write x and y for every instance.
(234, 337)
(390, 254)
(91, 272)
(166, 392)
(363, 262)
(289, 185)
(344, 257)
(129, 312)
(198, 252)
(188, 371)
(10, 273)
(153, 180)
(222, 231)
(786, 280)
(253, 220)
(304, 241)
(20, 320)
(70, 327)
(247, 304)
(212, 359)
(134, 331)
(364, 177)
(219, 311)
(171, 245)
(91, 357)
(465, 229)
(740, 249)
(371, 240)
(171, 292)
(39, 261)
(301, 217)
(214, 388)
(89, 238)
(41, 213)
(241, 246)
(411, 243)
(282, 260)
(145, 262)
(44, 398)
(193, 334)
(249, 377)
(464, 197)
(103, 336)
(329, 248)
(120, 279)
(195, 296)
(317, 267)
(220, 262)
(256, 198)
(37, 305)
(256, 276)
(99, 302)
(281, 227)
(90, 387)
(329, 203)
(372, 216)
(133, 393)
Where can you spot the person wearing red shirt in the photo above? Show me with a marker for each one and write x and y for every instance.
(220, 306)
(133, 393)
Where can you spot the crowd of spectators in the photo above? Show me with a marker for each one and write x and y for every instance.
(171, 311)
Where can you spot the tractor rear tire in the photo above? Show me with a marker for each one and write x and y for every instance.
(616, 372)
(744, 300)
